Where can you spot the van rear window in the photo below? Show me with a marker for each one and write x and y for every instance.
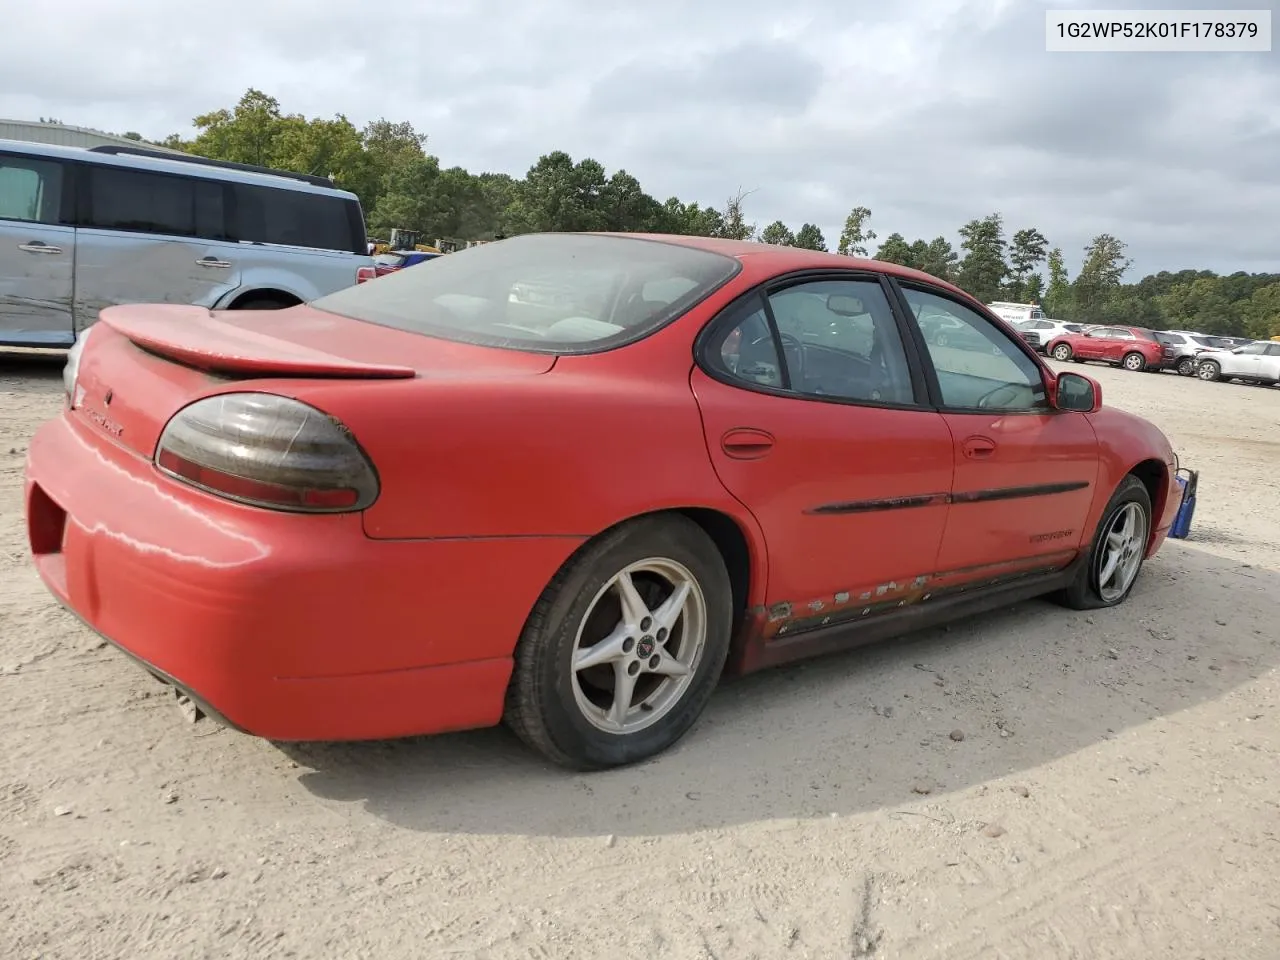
(294, 218)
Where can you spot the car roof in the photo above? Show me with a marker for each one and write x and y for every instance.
(789, 258)
(157, 164)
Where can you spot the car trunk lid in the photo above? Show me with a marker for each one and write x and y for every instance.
(149, 361)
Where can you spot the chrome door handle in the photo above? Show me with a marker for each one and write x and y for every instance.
(38, 246)
(212, 262)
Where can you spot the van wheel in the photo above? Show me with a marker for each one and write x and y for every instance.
(624, 647)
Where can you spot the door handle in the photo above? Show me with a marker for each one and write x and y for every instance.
(38, 246)
(746, 443)
(979, 448)
(213, 262)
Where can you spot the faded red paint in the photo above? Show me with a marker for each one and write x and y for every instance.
(403, 619)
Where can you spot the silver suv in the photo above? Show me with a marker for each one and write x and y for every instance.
(83, 229)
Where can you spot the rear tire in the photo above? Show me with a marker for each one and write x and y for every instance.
(1134, 362)
(1062, 352)
(610, 599)
(1089, 590)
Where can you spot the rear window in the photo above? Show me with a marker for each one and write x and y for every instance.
(549, 292)
(294, 218)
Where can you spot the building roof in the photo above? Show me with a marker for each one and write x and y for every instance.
(61, 134)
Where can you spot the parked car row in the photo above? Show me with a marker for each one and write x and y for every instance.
(1139, 349)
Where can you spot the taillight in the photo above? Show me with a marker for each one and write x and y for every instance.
(366, 273)
(267, 451)
(71, 371)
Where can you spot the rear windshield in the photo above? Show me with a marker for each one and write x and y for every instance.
(1170, 339)
(547, 292)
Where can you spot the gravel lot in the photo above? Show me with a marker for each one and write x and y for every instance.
(1116, 791)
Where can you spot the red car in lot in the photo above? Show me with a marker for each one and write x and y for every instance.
(1134, 348)
(439, 501)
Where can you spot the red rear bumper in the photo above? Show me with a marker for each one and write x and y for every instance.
(290, 627)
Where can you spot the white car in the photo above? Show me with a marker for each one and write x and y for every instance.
(1257, 362)
(1040, 332)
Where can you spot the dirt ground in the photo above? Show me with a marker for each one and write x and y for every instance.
(1116, 792)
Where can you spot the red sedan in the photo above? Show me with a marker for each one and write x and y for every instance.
(568, 481)
(1134, 348)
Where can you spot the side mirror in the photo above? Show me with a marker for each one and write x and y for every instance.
(1076, 392)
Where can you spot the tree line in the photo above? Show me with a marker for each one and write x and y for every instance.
(401, 184)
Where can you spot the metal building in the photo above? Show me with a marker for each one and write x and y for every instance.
(34, 131)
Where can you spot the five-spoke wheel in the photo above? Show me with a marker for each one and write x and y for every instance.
(625, 645)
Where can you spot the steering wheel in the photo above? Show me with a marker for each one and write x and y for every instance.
(1012, 388)
(796, 367)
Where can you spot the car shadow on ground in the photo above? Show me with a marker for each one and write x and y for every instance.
(30, 372)
(857, 731)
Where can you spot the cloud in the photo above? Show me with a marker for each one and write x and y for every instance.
(930, 112)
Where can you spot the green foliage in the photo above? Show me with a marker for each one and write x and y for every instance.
(1026, 254)
(895, 249)
(856, 235)
(983, 268)
(809, 237)
(778, 234)
(386, 164)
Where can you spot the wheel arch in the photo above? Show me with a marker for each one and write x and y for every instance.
(272, 294)
(740, 547)
(1154, 475)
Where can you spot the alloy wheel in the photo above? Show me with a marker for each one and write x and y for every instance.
(1121, 555)
(638, 646)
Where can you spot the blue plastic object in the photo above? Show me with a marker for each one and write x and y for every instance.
(1188, 480)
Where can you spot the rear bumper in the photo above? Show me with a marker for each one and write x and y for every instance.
(290, 627)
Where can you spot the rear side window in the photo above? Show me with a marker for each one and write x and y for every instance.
(30, 189)
(293, 218)
(142, 202)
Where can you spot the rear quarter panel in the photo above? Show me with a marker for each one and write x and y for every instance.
(299, 271)
(566, 453)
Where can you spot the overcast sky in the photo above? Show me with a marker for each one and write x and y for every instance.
(930, 112)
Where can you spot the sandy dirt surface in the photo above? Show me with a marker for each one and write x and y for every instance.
(1115, 792)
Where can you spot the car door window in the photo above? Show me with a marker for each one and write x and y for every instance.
(839, 339)
(30, 190)
(979, 367)
(747, 350)
(1254, 348)
(1273, 350)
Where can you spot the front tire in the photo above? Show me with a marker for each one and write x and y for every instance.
(1117, 552)
(1062, 352)
(624, 647)
(1134, 362)
(1186, 367)
(1208, 370)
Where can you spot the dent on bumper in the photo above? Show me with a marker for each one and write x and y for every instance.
(291, 627)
